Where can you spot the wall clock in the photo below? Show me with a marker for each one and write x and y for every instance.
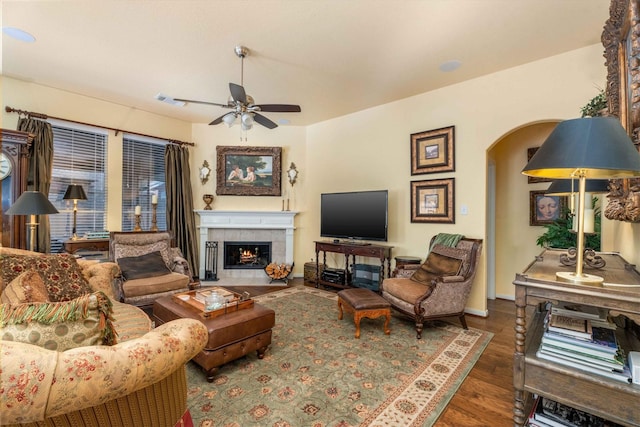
(5, 166)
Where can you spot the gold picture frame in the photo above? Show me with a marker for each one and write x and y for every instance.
(621, 41)
(248, 171)
(433, 151)
(432, 201)
(545, 209)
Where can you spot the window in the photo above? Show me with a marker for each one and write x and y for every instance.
(79, 157)
(142, 178)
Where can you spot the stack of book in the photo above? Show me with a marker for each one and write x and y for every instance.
(581, 338)
(548, 413)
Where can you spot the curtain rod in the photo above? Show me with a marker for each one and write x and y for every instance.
(44, 116)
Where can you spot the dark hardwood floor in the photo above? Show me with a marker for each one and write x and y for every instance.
(485, 398)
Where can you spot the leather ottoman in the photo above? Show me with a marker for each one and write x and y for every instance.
(231, 336)
(364, 303)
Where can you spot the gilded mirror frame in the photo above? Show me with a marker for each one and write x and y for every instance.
(621, 41)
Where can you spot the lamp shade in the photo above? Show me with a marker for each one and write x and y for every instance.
(32, 203)
(561, 187)
(594, 147)
(75, 192)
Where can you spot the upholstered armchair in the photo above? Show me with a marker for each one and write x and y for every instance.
(150, 266)
(439, 287)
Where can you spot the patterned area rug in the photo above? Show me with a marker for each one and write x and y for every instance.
(316, 373)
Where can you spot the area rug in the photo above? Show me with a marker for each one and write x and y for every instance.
(316, 373)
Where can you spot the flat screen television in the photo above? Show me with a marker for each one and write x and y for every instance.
(358, 215)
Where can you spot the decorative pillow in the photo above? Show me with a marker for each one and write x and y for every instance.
(27, 287)
(143, 266)
(60, 272)
(129, 250)
(60, 325)
(436, 265)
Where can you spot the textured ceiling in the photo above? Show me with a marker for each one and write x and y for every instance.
(332, 57)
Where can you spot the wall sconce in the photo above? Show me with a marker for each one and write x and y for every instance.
(593, 147)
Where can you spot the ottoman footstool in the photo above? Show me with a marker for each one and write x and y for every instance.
(364, 303)
(231, 336)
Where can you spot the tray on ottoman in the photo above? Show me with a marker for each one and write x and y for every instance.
(195, 299)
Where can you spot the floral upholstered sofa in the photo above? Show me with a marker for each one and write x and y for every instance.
(56, 368)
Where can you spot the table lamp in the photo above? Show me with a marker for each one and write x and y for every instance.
(75, 192)
(591, 147)
(32, 203)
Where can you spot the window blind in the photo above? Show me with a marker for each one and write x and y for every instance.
(79, 157)
(143, 176)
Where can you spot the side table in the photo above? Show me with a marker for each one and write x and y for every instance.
(401, 261)
(72, 246)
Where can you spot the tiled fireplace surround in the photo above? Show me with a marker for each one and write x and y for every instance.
(265, 226)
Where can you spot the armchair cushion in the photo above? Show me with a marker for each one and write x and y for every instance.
(126, 250)
(27, 287)
(61, 273)
(143, 266)
(437, 264)
(155, 285)
(59, 326)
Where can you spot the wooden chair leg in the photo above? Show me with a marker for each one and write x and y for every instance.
(463, 321)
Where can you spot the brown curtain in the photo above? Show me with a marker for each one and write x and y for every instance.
(180, 215)
(40, 170)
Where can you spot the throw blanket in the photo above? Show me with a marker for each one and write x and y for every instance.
(446, 239)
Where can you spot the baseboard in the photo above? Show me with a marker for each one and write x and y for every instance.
(507, 297)
(481, 313)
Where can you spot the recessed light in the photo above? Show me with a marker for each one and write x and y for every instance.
(169, 100)
(284, 121)
(452, 65)
(18, 34)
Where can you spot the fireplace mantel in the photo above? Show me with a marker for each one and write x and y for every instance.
(247, 220)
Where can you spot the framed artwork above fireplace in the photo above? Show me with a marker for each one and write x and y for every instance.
(248, 171)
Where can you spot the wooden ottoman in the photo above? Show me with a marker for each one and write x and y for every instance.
(364, 303)
(231, 336)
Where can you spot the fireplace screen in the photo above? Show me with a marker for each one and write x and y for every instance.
(246, 255)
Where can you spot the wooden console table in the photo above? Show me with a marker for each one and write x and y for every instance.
(72, 246)
(351, 250)
(536, 286)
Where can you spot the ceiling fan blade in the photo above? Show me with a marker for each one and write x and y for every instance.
(202, 102)
(218, 120)
(238, 93)
(279, 108)
(264, 121)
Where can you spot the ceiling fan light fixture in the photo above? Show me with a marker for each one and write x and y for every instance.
(246, 126)
(229, 119)
(247, 119)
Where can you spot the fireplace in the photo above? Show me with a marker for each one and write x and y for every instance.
(246, 255)
(276, 227)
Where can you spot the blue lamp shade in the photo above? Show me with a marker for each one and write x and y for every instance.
(562, 187)
(32, 203)
(593, 147)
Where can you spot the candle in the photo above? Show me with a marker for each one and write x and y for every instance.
(589, 219)
(154, 199)
(138, 210)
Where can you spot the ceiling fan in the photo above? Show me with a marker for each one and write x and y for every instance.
(243, 105)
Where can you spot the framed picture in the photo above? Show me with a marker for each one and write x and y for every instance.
(433, 151)
(533, 179)
(248, 171)
(433, 201)
(544, 209)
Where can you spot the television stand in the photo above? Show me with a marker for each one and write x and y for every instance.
(351, 250)
(355, 243)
